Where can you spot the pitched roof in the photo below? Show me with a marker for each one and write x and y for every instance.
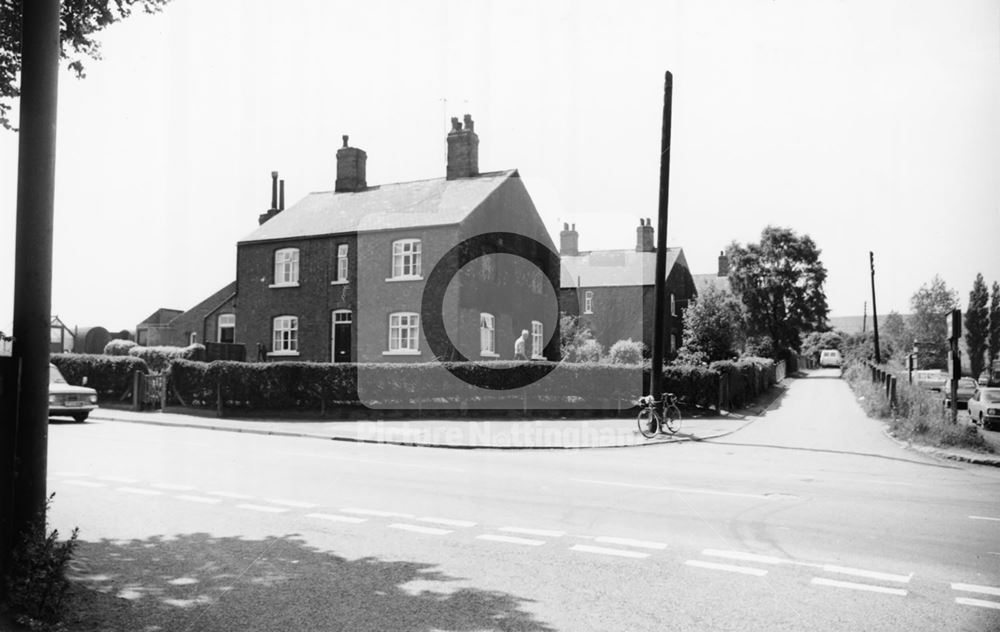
(210, 304)
(610, 268)
(704, 281)
(435, 202)
(161, 316)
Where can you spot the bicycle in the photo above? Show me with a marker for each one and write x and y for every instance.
(652, 421)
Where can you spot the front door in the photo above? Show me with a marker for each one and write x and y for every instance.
(341, 343)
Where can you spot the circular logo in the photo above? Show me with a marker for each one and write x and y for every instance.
(432, 317)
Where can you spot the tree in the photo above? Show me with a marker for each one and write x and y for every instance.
(577, 342)
(80, 20)
(930, 304)
(819, 340)
(780, 282)
(712, 326)
(977, 324)
(993, 345)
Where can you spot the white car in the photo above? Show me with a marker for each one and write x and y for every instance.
(66, 400)
(830, 357)
(984, 407)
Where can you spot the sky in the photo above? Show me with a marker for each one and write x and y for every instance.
(870, 125)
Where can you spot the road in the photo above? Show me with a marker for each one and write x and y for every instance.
(809, 518)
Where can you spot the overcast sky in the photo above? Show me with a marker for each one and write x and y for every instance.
(868, 124)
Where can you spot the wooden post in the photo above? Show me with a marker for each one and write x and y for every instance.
(218, 397)
(137, 390)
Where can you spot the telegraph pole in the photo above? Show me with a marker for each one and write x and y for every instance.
(659, 283)
(23, 462)
(864, 319)
(878, 355)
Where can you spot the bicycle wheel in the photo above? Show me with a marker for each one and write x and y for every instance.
(647, 423)
(672, 418)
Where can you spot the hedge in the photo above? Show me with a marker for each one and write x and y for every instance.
(108, 375)
(158, 358)
(741, 381)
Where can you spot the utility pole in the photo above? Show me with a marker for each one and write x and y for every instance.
(659, 283)
(878, 355)
(23, 462)
(864, 318)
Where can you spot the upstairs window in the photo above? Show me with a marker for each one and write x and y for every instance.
(536, 339)
(406, 259)
(588, 302)
(286, 335)
(286, 266)
(227, 328)
(342, 263)
(487, 335)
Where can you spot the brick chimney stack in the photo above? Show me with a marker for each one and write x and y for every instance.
(723, 264)
(463, 149)
(569, 241)
(351, 163)
(644, 241)
(275, 207)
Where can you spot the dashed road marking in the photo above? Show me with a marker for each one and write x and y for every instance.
(822, 581)
(298, 504)
(545, 533)
(829, 568)
(139, 490)
(448, 521)
(743, 556)
(118, 479)
(642, 544)
(232, 495)
(510, 539)
(982, 603)
(85, 483)
(264, 508)
(376, 512)
(857, 572)
(732, 568)
(984, 518)
(603, 550)
(197, 499)
(683, 490)
(985, 590)
(173, 488)
(337, 518)
(416, 528)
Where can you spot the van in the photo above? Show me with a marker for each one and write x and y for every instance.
(830, 357)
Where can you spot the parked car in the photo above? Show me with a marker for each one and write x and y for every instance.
(830, 357)
(966, 387)
(984, 407)
(66, 400)
(932, 380)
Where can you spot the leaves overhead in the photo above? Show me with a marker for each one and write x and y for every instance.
(80, 20)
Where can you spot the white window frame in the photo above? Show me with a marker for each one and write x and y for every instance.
(588, 302)
(282, 345)
(227, 321)
(193, 338)
(342, 265)
(537, 340)
(488, 335)
(404, 334)
(286, 268)
(406, 255)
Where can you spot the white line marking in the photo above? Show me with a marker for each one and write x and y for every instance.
(139, 490)
(292, 503)
(822, 581)
(601, 550)
(982, 603)
(172, 487)
(986, 590)
(231, 495)
(419, 529)
(745, 557)
(642, 544)
(510, 539)
(265, 508)
(448, 521)
(118, 479)
(869, 574)
(746, 570)
(336, 518)
(376, 512)
(541, 532)
(85, 483)
(683, 490)
(197, 499)
(984, 518)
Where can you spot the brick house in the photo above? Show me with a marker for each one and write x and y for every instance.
(719, 280)
(612, 290)
(155, 329)
(340, 276)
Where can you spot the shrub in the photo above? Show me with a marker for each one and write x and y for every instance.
(158, 358)
(626, 352)
(586, 351)
(695, 385)
(118, 347)
(743, 380)
(108, 375)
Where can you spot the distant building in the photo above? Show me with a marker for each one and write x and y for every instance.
(719, 280)
(155, 330)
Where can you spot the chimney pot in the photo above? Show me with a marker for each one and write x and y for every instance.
(723, 265)
(644, 241)
(274, 189)
(281, 195)
(463, 149)
(569, 241)
(345, 139)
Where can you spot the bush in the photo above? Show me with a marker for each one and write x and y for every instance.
(118, 347)
(626, 352)
(108, 375)
(743, 380)
(158, 358)
(695, 385)
(586, 351)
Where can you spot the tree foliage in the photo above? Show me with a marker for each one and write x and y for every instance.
(712, 327)
(816, 341)
(79, 21)
(577, 342)
(993, 344)
(930, 304)
(780, 282)
(977, 324)
(896, 336)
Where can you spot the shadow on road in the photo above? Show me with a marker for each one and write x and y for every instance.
(205, 583)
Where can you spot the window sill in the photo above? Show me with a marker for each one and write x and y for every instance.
(402, 352)
(538, 357)
(588, 312)
(339, 282)
(488, 354)
(404, 278)
(277, 285)
(286, 354)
